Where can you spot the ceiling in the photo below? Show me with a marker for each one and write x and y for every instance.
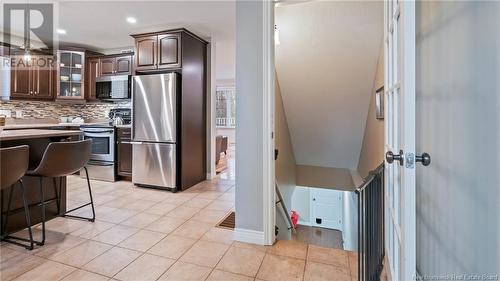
(102, 25)
(326, 63)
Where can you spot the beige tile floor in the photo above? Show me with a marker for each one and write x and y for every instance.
(144, 234)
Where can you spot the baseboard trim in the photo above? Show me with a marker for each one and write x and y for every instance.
(249, 236)
(305, 223)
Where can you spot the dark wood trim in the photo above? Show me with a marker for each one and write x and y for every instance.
(175, 30)
(115, 55)
(88, 53)
(191, 144)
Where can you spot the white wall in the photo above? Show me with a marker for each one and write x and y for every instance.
(225, 65)
(300, 204)
(350, 218)
(351, 214)
(458, 124)
(251, 176)
(326, 62)
(372, 150)
(338, 178)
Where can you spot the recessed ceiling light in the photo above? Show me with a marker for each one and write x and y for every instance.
(131, 20)
(61, 31)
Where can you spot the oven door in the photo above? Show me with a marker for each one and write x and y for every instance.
(103, 140)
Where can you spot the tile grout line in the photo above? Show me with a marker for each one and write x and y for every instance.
(171, 233)
(215, 267)
(305, 264)
(178, 259)
(143, 211)
(261, 263)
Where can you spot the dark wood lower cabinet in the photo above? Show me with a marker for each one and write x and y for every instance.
(124, 159)
(124, 153)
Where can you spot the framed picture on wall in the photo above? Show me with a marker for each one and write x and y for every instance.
(379, 103)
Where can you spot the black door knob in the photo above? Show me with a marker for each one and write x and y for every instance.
(391, 157)
(425, 159)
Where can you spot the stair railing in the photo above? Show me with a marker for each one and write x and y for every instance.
(371, 248)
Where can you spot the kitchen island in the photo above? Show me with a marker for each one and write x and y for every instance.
(37, 140)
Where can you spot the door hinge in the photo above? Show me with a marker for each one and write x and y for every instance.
(410, 160)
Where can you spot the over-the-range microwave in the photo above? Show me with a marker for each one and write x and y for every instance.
(113, 87)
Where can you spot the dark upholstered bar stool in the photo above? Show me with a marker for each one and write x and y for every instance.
(13, 164)
(62, 159)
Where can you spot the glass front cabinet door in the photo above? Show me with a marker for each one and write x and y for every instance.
(70, 75)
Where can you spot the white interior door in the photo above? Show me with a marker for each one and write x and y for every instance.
(399, 48)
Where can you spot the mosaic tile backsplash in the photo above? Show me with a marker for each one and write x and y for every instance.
(54, 110)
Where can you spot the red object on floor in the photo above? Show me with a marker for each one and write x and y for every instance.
(295, 218)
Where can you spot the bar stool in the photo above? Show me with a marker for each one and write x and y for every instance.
(62, 159)
(14, 163)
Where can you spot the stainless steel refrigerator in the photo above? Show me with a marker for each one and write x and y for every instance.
(154, 130)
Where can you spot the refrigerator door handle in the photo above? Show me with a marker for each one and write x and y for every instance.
(133, 142)
(132, 116)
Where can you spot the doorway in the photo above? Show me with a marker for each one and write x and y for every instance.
(329, 65)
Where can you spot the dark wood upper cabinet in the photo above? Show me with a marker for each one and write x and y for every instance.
(123, 65)
(63, 79)
(35, 81)
(169, 51)
(43, 83)
(163, 50)
(146, 52)
(107, 66)
(116, 65)
(20, 82)
(93, 69)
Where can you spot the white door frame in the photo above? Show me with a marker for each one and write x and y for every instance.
(211, 100)
(400, 197)
(268, 74)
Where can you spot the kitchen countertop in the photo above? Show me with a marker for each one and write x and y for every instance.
(44, 125)
(35, 133)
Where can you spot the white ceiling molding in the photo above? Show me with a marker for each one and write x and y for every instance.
(326, 66)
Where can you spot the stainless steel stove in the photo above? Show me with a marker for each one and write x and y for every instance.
(102, 160)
